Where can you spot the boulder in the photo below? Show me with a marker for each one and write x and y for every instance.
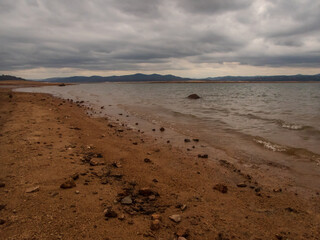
(193, 96)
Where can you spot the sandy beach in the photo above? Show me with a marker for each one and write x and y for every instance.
(65, 175)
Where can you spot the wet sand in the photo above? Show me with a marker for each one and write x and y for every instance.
(122, 177)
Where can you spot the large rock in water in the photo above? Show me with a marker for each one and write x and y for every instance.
(193, 96)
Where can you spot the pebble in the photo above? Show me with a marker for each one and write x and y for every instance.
(2, 184)
(241, 185)
(155, 225)
(156, 216)
(221, 188)
(126, 200)
(2, 221)
(162, 129)
(109, 213)
(33, 189)
(68, 184)
(77, 192)
(176, 218)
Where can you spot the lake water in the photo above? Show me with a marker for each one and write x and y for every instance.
(256, 119)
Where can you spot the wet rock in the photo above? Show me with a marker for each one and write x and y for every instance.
(162, 129)
(221, 188)
(32, 189)
(109, 213)
(175, 218)
(126, 200)
(241, 185)
(68, 184)
(193, 96)
(155, 225)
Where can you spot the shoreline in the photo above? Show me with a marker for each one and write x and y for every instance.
(45, 140)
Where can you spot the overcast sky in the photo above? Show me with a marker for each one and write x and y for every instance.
(190, 38)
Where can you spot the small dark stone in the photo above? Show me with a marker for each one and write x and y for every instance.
(221, 188)
(109, 213)
(2, 221)
(162, 129)
(195, 140)
(241, 185)
(187, 140)
(193, 96)
(147, 160)
(2, 184)
(61, 85)
(68, 184)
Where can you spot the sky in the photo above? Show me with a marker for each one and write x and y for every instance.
(188, 38)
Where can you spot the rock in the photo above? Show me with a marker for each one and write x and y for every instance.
(121, 217)
(241, 185)
(77, 192)
(61, 85)
(155, 225)
(96, 161)
(147, 160)
(277, 190)
(146, 192)
(2, 221)
(126, 200)
(183, 232)
(156, 216)
(162, 129)
(181, 238)
(187, 140)
(221, 188)
(195, 140)
(193, 96)
(2, 206)
(33, 189)
(75, 176)
(116, 165)
(109, 213)
(183, 207)
(2, 184)
(68, 184)
(176, 218)
(203, 156)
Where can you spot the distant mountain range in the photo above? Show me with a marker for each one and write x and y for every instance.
(125, 78)
(171, 78)
(139, 77)
(9, 77)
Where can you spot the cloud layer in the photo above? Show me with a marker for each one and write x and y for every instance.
(154, 35)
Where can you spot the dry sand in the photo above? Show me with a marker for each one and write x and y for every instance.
(46, 141)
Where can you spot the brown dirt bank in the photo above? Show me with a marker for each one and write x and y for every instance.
(44, 141)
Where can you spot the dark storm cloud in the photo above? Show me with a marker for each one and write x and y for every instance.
(129, 35)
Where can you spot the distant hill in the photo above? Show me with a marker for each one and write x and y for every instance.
(171, 78)
(125, 78)
(279, 78)
(8, 77)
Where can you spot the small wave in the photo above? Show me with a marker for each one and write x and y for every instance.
(291, 126)
(271, 146)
